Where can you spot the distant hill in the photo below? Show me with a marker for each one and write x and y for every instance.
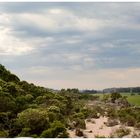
(127, 89)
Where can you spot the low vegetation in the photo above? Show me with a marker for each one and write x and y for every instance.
(27, 110)
(121, 132)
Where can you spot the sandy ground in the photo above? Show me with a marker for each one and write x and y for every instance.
(98, 128)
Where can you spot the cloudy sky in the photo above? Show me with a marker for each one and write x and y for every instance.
(69, 45)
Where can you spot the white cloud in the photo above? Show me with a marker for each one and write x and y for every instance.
(59, 20)
(73, 56)
(57, 11)
(73, 41)
(10, 45)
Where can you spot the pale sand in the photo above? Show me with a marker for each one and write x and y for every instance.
(98, 128)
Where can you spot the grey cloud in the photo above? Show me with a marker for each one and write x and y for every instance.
(114, 44)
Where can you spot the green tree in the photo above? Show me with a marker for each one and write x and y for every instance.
(7, 103)
(106, 97)
(35, 119)
(57, 129)
(115, 96)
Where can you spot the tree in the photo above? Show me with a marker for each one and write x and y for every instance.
(35, 119)
(6, 102)
(57, 129)
(3, 134)
(115, 96)
(106, 97)
(54, 109)
(25, 132)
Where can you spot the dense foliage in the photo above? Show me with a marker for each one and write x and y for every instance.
(27, 110)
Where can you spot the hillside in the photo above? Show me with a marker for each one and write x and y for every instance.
(125, 90)
(27, 110)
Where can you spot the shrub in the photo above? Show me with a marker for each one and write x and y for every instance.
(63, 135)
(99, 136)
(115, 96)
(106, 97)
(88, 120)
(3, 134)
(80, 123)
(34, 136)
(135, 135)
(29, 98)
(130, 120)
(120, 132)
(25, 132)
(132, 94)
(15, 128)
(57, 129)
(47, 133)
(78, 132)
(111, 122)
(4, 120)
(35, 119)
(94, 114)
(137, 125)
(54, 109)
(79, 115)
(85, 111)
(7, 102)
(52, 116)
(111, 113)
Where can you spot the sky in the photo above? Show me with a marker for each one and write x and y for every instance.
(72, 45)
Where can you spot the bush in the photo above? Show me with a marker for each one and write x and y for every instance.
(106, 97)
(6, 102)
(52, 116)
(132, 94)
(34, 136)
(78, 132)
(99, 136)
(35, 119)
(137, 125)
(135, 135)
(80, 123)
(79, 115)
(115, 96)
(57, 130)
(25, 132)
(47, 133)
(127, 118)
(29, 98)
(120, 132)
(54, 109)
(88, 120)
(15, 128)
(93, 113)
(4, 120)
(63, 135)
(111, 113)
(3, 134)
(111, 122)
(130, 120)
